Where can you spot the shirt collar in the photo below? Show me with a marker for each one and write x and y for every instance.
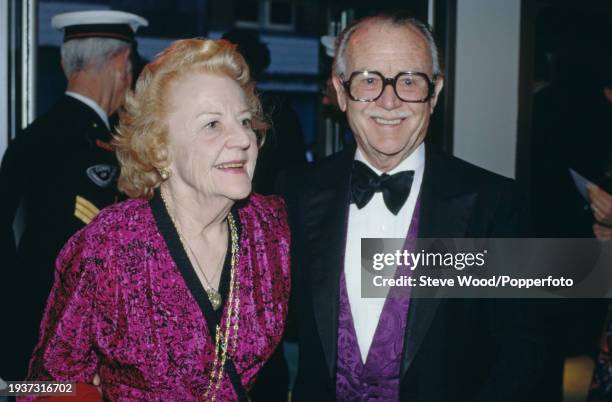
(415, 161)
(92, 104)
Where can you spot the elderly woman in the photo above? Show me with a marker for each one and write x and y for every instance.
(181, 292)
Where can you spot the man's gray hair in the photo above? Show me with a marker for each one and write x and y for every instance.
(395, 19)
(78, 54)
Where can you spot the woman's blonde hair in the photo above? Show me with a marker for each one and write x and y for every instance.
(142, 135)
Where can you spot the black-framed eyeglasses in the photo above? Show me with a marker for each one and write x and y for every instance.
(409, 86)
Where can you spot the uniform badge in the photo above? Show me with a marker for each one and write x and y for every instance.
(102, 175)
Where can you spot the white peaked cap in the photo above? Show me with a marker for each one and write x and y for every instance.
(99, 23)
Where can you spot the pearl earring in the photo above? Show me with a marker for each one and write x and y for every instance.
(165, 173)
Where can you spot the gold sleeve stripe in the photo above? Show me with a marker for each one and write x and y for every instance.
(86, 204)
(85, 210)
(82, 218)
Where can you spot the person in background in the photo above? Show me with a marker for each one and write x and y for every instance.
(181, 292)
(601, 205)
(284, 147)
(61, 170)
(601, 196)
(571, 130)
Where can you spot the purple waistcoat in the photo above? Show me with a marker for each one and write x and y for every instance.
(377, 379)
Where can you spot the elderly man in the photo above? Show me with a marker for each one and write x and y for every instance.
(388, 79)
(62, 168)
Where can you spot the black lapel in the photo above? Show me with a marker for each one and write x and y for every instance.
(447, 202)
(326, 215)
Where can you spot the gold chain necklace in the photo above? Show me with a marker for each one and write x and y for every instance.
(214, 296)
(233, 309)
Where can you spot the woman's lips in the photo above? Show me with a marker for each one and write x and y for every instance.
(232, 166)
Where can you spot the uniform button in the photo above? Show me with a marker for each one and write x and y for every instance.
(95, 125)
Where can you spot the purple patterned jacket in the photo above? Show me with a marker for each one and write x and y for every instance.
(121, 306)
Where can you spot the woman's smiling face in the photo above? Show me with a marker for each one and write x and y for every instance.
(211, 142)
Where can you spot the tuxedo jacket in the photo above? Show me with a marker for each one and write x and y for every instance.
(454, 350)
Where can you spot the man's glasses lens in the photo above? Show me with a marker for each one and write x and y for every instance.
(409, 87)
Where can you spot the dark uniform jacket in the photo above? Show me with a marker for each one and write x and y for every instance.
(59, 172)
(454, 350)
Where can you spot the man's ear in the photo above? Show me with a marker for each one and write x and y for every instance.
(340, 94)
(439, 84)
(64, 68)
(122, 60)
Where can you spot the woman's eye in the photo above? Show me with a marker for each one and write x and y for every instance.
(212, 124)
(247, 123)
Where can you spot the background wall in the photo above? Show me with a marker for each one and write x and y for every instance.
(486, 89)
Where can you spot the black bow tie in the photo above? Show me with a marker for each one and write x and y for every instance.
(395, 188)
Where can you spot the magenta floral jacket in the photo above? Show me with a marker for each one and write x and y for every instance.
(127, 304)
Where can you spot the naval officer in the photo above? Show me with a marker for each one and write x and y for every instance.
(61, 169)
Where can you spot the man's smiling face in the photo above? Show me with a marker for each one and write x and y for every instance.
(388, 129)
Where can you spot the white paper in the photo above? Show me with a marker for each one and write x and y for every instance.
(581, 184)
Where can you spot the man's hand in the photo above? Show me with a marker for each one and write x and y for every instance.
(602, 232)
(601, 203)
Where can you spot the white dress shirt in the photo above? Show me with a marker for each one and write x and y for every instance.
(92, 104)
(375, 220)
